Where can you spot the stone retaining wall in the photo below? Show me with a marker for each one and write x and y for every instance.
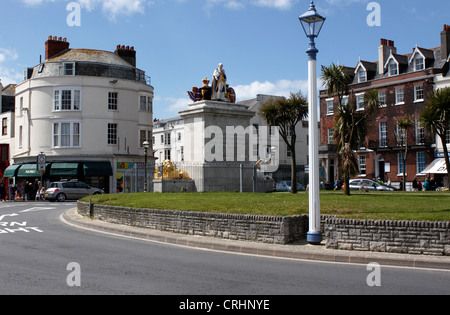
(407, 237)
(258, 228)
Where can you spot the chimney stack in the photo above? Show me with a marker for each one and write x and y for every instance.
(445, 42)
(384, 50)
(55, 46)
(127, 53)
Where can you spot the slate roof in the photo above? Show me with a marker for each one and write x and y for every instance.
(90, 55)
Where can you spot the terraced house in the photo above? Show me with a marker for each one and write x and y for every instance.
(403, 82)
(89, 111)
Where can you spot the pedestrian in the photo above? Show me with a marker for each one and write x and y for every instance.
(426, 185)
(414, 184)
(2, 191)
(419, 186)
(42, 193)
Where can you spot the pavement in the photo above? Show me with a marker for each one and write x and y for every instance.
(297, 251)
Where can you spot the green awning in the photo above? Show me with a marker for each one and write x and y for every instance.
(11, 171)
(97, 169)
(64, 169)
(28, 170)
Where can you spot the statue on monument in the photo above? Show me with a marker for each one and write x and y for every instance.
(219, 84)
(220, 90)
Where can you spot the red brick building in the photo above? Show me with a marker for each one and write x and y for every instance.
(403, 83)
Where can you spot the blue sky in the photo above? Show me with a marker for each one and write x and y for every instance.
(179, 42)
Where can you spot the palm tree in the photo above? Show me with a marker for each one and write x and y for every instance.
(351, 123)
(286, 113)
(403, 124)
(435, 117)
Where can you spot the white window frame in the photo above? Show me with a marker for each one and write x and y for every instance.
(382, 98)
(400, 165)
(418, 93)
(73, 138)
(65, 70)
(393, 68)
(330, 106)
(421, 162)
(330, 135)
(420, 133)
(57, 99)
(362, 165)
(383, 134)
(360, 101)
(398, 100)
(362, 75)
(145, 103)
(419, 61)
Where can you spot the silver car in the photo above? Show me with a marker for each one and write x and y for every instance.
(357, 184)
(70, 190)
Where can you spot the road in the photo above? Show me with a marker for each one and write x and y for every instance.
(42, 255)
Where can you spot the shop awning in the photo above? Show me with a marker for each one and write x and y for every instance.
(436, 167)
(28, 170)
(97, 169)
(64, 169)
(11, 171)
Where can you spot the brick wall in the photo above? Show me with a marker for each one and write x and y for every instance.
(259, 228)
(407, 237)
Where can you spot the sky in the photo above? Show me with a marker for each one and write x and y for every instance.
(180, 42)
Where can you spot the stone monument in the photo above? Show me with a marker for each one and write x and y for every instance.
(217, 135)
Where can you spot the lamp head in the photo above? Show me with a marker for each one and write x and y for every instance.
(312, 21)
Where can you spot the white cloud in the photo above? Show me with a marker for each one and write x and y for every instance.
(279, 88)
(7, 74)
(114, 8)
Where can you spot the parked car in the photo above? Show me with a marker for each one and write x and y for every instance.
(285, 185)
(70, 190)
(357, 184)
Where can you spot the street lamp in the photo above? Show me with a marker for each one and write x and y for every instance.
(312, 23)
(146, 145)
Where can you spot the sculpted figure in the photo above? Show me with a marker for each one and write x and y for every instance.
(219, 87)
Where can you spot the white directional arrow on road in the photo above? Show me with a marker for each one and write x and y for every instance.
(8, 215)
(37, 209)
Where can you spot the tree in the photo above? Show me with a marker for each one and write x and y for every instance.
(435, 117)
(403, 124)
(286, 113)
(351, 122)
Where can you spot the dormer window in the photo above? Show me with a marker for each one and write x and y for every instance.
(69, 68)
(362, 75)
(392, 68)
(419, 63)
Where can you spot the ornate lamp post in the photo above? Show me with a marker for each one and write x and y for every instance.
(146, 145)
(312, 23)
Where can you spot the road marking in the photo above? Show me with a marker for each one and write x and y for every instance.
(8, 215)
(37, 209)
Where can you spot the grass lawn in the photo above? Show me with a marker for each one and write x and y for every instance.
(428, 206)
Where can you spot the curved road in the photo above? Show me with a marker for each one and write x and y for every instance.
(37, 249)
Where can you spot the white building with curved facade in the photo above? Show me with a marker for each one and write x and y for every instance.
(89, 111)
